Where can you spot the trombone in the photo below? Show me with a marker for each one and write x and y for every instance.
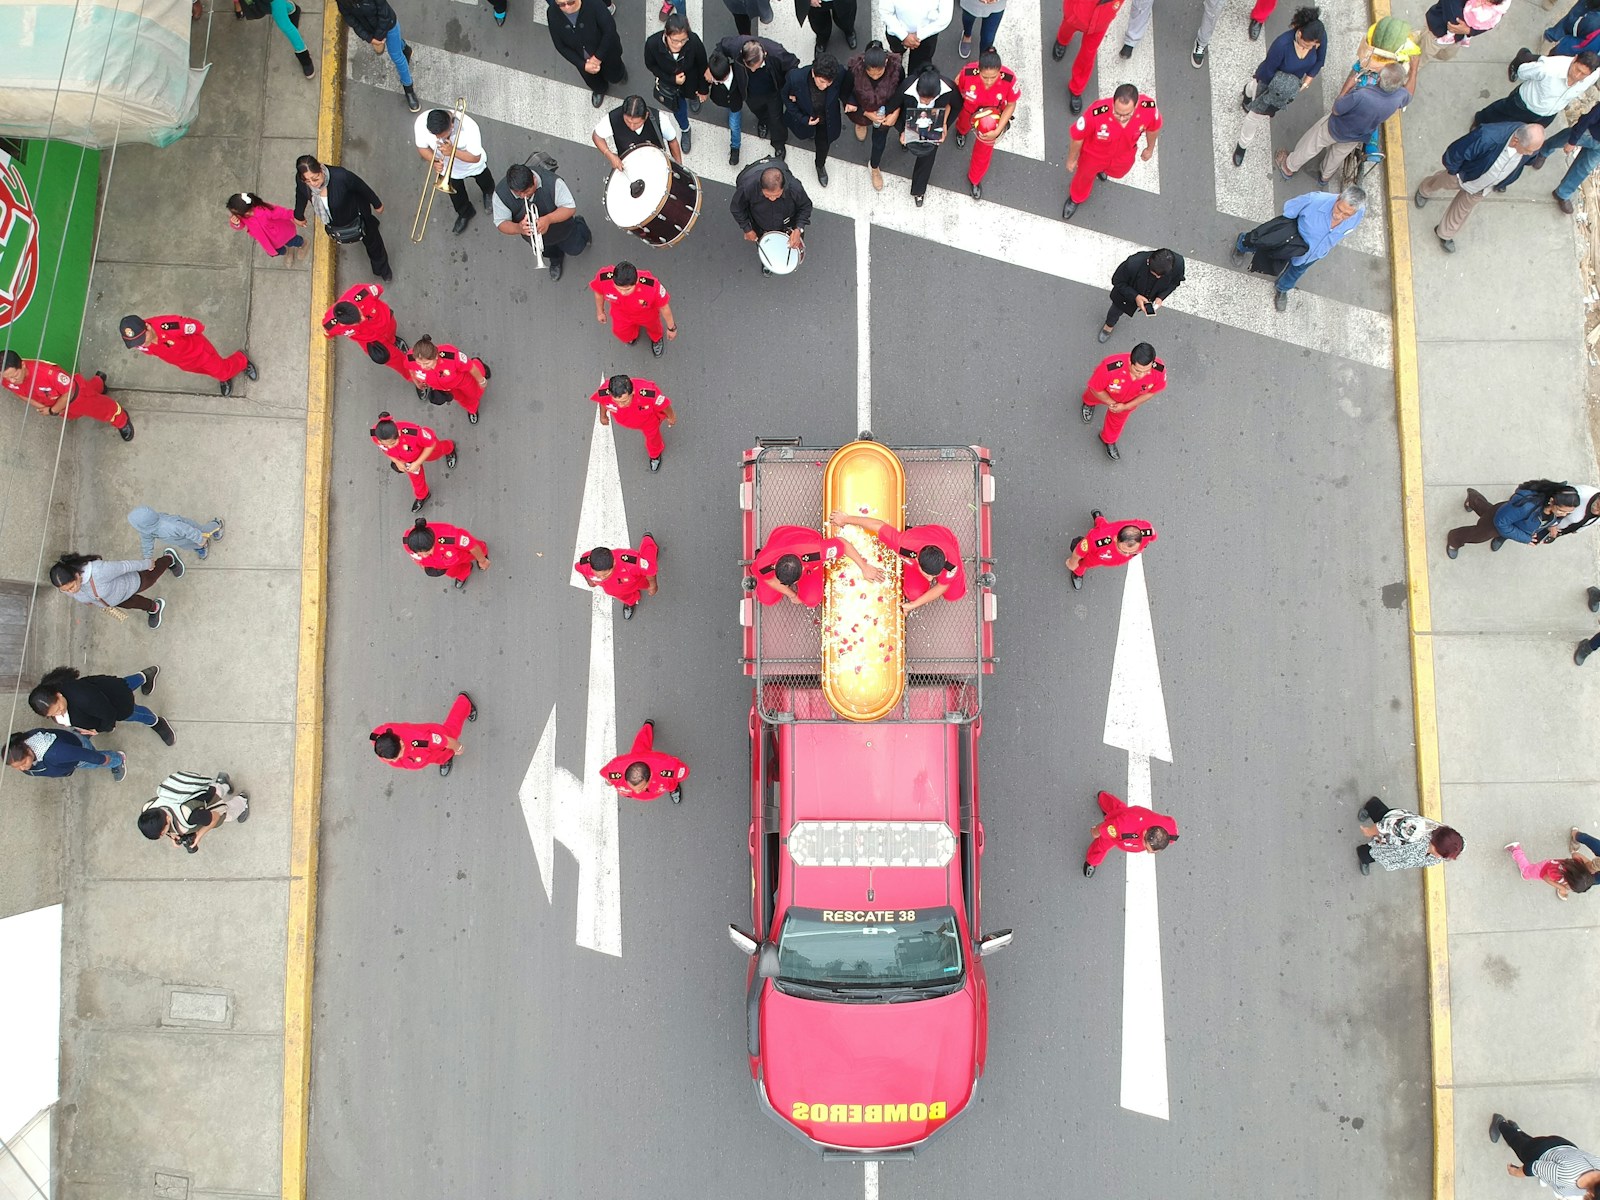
(432, 186)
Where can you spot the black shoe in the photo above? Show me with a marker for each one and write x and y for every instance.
(655, 464)
(461, 224)
(1581, 653)
(1069, 209)
(1238, 156)
(1104, 335)
(1077, 581)
(1101, 176)
(1088, 871)
(761, 129)
(412, 102)
(1255, 30)
(919, 200)
(1095, 514)
(822, 176)
(733, 156)
(444, 768)
(677, 794)
(406, 50)
(164, 731)
(250, 371)
(557, 265)
(101, 376)
(153, 620)
(1450, 552)
(472, 418)
(226, 387)
(1362, 861)
(658, 348)
(307, 67)
(1496, 543)
(821, 48)
(1126, 51)
(171, 556)
(977, 191)
(597, 98)
(126, 432)
(149, 684)
(627, 612)
(461, 584)
(450, 460)
(472, 714)
(781, 152)
(1496, 1121)
(1075, 103)
(386, 276)
(416, 505)
(1594, 600)
(685, 140)
(961, 141)
(1111, 451)
(850, 40)
(1087, 414)
(1058, 51)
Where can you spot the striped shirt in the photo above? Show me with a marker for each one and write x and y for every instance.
(185, 795)
(1560, 1167)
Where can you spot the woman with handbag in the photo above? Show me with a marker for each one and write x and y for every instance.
(1398, 840)
(676, 57)
(90, 579)
(273, 227)
(1292, 62)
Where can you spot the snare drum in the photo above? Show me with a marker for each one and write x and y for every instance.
(777, 255)
(652, 197)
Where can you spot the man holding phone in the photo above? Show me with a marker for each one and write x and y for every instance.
(1142, 284)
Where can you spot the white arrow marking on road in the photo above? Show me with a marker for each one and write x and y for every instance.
(1136, 721)
(1022, 239)
(581, 813)
(863, 325)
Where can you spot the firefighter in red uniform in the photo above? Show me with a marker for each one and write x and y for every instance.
(638, 301)
(368, 322)
(409, 447)
(60, 393)
(931, 558)
(795, 562)
(1122, 383)
(1091, 18)
(623, 574)
(637, 404)
(1127, 827)
(645, 774)
(182, 342)
(1107, 544)
(442, 373)
(989, 95)
(441, 549)
(1105, 139)
(412, 747)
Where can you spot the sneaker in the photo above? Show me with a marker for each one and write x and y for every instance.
(245, 815)
(1058, 51)
(1280, 300)
(655, 463)
(216, 534)
(164, 731)
(658, 348)
(1077, 581)
(177, 563)
(154, 619)
(149, 684)
(685, 140)
(961, 141)
(1451, 552)
(450, 460)
(1088, 871)
(964, 51)
(1126, 51)
(677, 794)
(119, 768)
(977, 191)
(202, 552)
(1198, 57)
(627, 611)
(472, 417)
(1087, 413)
(444, 768)
(461, 584)
(1075, 103)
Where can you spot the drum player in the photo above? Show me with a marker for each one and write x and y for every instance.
(768, 199)
(634, 123)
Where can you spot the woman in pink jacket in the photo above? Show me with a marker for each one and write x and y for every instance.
(270, 225)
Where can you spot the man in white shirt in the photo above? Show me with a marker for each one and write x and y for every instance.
(1488, 156)
(436, 133)
(1545, 86)
(634, 123)
(915, 25)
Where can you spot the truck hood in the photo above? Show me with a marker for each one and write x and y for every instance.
(868, 1076)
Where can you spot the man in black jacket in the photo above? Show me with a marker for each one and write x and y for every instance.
(374, 22)
(343, 200)
(761, 67)
(767, 198)
(1142, 284)
(585, 34)
(727, 91)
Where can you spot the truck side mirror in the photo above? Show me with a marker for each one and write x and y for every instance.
(767, 961)
(742, 939)
(995, 941)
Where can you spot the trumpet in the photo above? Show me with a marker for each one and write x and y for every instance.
(437, 179)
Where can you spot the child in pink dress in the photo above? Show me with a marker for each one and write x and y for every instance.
(270, 225)
(1480, 16)
(1566, 875)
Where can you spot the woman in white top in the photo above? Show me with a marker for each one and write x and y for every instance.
(90, 579)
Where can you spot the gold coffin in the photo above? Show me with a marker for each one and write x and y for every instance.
(863, 622)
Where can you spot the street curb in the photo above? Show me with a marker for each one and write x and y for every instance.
(1408, 410)
(307, 802)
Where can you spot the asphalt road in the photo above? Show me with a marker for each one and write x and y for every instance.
(464, 1046)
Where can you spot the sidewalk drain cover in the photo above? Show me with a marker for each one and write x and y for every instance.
(170, 1185)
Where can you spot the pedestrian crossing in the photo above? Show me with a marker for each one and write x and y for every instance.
(1066, 251)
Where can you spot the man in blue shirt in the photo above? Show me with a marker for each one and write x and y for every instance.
(1354, 117)
(1323, 220)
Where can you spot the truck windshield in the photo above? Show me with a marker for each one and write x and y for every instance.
(890, 948)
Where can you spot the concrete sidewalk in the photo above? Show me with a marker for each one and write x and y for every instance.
(1504, 384)
(173, 992)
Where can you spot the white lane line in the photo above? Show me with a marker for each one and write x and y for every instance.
(863, 324)
(1066, 251)
(872, 1180)
(1021, 46)
(1136, 721)
(1111, 70)
(581, 813)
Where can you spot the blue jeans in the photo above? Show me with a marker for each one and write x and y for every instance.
(1589, 843)
(682, 112)
(1583, 162)
(735, 128)
(1288, 277)
(395, 44)
(140, 715)
(991, 26)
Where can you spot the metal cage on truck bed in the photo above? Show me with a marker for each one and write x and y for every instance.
(949, 644)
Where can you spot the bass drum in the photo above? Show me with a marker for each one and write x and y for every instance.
(652, 197)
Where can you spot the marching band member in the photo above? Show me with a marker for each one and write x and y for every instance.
(768, 199)
(638, 301)
(634, 123)
(438, 133)
(442, 373)
(59, 393)
(554, 212)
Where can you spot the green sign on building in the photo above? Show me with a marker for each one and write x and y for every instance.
(48, 194)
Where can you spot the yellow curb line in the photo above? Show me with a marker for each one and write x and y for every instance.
(1420, 607)
(313, 639)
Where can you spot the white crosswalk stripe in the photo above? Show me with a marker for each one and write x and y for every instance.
(1231, 59)
(1022, 51)
(1112, 70)
(1043, 244)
